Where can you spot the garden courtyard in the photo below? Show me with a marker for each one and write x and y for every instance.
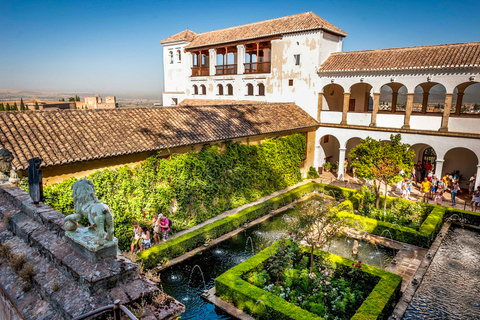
(251, 238)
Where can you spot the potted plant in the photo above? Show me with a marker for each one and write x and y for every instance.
(327, 166)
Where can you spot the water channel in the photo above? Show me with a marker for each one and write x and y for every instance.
(186, 281)
(451, 286)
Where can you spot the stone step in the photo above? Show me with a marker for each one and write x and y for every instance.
(58, 291)
(102, 275)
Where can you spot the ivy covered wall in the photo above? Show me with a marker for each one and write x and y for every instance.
(190, 187)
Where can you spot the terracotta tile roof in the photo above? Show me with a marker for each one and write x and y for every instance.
(70, 136)
(294, 23)
(187, 35)
(445, 56)
(217, 102)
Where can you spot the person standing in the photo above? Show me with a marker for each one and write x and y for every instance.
(454, 191)
(471, 185)
(476, 199)
(146, 243)
(156, 228)
(439, 197)
(345, 165)
(418, 173)
(428, 167)
(426, 187)
(136, 239)
(165, 227)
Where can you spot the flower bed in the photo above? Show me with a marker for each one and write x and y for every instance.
(338, 288)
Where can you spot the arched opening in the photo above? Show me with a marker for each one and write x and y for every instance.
(249, 89)
(179, 56)
(328, 153)
(203, 89)
(393, 97)
(466, 99)
(424, 154)
(171, 56)
(195, 89)
(333, 97)
(461, 160)
(261, 89)
(229, 90)
(360, 98)
(351, 143)
(219, 90)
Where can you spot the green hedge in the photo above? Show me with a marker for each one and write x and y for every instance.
(191, 240)
(231, 287)
(468, 217)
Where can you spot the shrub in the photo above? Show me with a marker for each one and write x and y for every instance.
(312, 173)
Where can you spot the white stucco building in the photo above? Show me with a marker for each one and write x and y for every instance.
(429, 94)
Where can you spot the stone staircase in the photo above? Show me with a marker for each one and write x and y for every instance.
(65, 284)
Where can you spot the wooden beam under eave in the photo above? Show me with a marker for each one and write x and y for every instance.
(231, 44)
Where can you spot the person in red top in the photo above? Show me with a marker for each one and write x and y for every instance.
(165, 227)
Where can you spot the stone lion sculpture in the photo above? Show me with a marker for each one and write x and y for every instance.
(87, 205)
(6, 158)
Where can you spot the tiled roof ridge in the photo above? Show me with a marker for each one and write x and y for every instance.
(257, 22)
(405, 48)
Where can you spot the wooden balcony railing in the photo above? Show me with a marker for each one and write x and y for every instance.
(203, 71)
(226, 69)
(257, 67)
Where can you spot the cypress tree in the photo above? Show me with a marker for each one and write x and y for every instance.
(22, 105)
(36, 106)
(15, 107)
(1, 107)
(8, 107)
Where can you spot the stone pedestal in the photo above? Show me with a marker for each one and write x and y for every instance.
(83, 241)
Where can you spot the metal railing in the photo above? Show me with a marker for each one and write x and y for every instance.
(117, 312)
(203, 71)
(257, 67)
(226, 69)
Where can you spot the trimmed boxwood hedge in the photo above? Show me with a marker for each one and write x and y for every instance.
(191, 240)
(231, 287)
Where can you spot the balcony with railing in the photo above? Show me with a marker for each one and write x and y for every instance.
(200, 71)
(225, 69)
(258, 67)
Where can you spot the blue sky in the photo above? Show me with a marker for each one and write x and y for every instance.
(112, 47)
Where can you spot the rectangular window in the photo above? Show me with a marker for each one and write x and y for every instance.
(297, 59)
(325, 139)
(290, 82)
(174, 101)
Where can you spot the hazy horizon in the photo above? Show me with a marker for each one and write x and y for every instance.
(113, 48)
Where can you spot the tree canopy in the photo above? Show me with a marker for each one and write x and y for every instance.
(382, 161)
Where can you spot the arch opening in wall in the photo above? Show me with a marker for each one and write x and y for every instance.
(249, 89)
(229, 89)
(219, 90)
(333, 97)
(464, 161)
(195, 89)
(360, 98)
(329, 151)
(429, 97)
(393, 97)
(170, 54)
(466, 99)
(261, 89)
(179, 56)
(203, 90)
(424, 154)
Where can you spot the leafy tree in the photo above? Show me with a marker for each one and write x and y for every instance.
(316, 224)
(22, 105)
(71, 99)
(15, 108)
(63, 99)
(476, 107)
(7, 108)
(382, 162)
(2, 107)
(36, 106)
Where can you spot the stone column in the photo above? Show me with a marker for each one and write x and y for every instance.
(341, 163)
(394, 101)
(212, 53)
(408, 111)
(346, 102)
(319, 105)
(458, 106)
(240, 59)
(376, 105)
(425, 102)
(439, 167)
(446, 112)
(477, 181)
